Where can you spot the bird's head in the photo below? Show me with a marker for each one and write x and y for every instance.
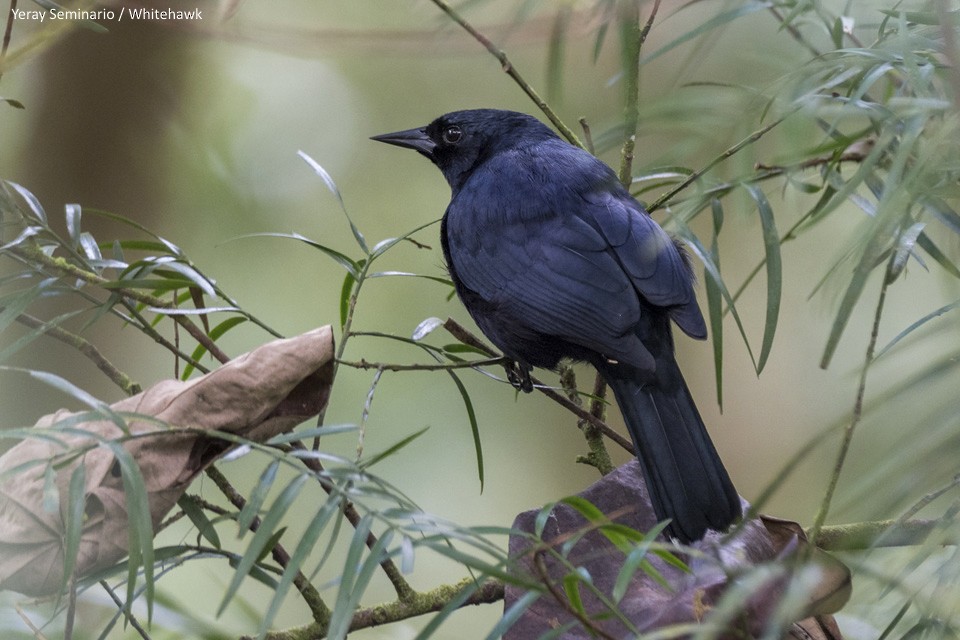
(460, 141)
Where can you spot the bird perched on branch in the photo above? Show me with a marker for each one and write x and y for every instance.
(554, 259)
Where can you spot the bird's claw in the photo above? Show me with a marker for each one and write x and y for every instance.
(518, 374)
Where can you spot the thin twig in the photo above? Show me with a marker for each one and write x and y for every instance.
(598, 457)
(35, 256)
(446, 366)
(464, 336)
(132, 619)
(26, 620)
(562, 599)
(511, 71)
(587, 135)
(7, 33)
(82, 345)
(309, 593)
(403, 589)
(857, 409)
(696, 175)
(488, 592)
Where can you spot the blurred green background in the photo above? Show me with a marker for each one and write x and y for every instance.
(193, 130)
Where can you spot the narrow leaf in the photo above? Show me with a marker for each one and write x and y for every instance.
(332, 186)
(199, 519)
(252, 508)
(265, 532)
(771, 243)
(474, 427)
(73, 224)
(425, 328)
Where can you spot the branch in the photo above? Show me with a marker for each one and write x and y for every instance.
(696, 175)
(36, 256)
(464, 336)
(428, 602)
(319, 609)
(860, 536)
(511, 71)
(7, 32)
(598, 457)
(400, 585)
(82, 345)
(857, 407)
(473, 364)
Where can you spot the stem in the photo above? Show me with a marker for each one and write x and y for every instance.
(82, 345)
(472, 364)
(511, 71)
(562, 599)
(857, 411)
(403, 589)
(7, 33)
(696, 175)
(132, 619)
(423, 603)
(319, 609)
(598, 456)
(464, 336)
(36, 256)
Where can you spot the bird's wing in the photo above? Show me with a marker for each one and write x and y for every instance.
(555, 275)
(657, 268)
(578, 277)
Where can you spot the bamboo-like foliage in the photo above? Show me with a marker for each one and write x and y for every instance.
(877, 97)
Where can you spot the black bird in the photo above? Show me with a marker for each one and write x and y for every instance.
(554, 259)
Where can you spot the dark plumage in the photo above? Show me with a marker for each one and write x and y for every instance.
(554, 259)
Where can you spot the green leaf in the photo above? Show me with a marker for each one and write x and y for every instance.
(513, 614)
(406, 274)
(934, 252)
(252, 508)
(571, 586)
(711, 271)
(860, 274)
(304, 546)
(718, 20)
(265, 532)
(315, 432)
(585, 508)
(916, 325)
(332, 186)
(386, 453)
(347, 263)
(140, 534)
(474, 427)
(350, 581)
(771, 244)
(715, 302)
(16, 104)
(35, 207)
(346, 292)
(73, 525)
(73, 213)
(199, 519)
(215, 334)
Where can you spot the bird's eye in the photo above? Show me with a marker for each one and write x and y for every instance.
(452, 134)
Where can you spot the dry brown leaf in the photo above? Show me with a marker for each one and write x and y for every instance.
(256, 396)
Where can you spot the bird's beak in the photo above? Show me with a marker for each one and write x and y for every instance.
(416, 139)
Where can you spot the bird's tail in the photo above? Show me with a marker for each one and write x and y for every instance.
(685, 477)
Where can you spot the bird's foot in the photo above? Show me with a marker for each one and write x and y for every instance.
(518, 374)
